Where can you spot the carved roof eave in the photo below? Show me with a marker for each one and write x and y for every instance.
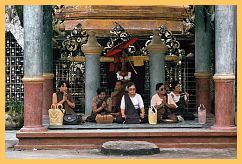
(144, 27)
(137, 20)
(175, 13)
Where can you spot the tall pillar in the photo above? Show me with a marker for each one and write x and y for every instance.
(92, 50)
(225, 56)
(47, 60)
(33, 79)
(157, 51)
(202, 57)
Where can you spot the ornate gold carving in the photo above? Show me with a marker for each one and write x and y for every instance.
(106, 59)
(171, 58)
(76, 59)
(111, 59)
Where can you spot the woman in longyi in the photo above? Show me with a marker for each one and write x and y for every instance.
(62, 96)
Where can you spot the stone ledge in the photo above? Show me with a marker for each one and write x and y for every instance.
(163, 138)
(129, 148)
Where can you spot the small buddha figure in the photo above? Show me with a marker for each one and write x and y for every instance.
(124, 75)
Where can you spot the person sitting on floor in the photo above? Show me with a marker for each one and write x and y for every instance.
(100, 105)
(132, 107)
(164, 103)
(116, 97)
(62, 96)
(181, 99)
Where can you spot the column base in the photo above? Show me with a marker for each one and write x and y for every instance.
(203, 90)
(33, 101)
(46, 120)
(224, 102)
(33, 129)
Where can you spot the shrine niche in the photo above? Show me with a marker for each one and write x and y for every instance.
(124, 55)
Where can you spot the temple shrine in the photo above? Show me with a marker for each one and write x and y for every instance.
(93, 46)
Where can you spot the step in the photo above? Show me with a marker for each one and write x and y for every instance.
(163, 138)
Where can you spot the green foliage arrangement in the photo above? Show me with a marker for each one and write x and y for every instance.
(16, 111)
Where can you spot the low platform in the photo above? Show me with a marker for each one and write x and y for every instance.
(94, 138)
(188, 134)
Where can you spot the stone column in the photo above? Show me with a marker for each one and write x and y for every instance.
(225, 56)
(157, 51)
(202, 57)
(33, 79)
(47, 61)
(92, 50)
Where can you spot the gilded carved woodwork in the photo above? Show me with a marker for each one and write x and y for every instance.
(138, 20)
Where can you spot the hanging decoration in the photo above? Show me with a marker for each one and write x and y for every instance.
(13, 24)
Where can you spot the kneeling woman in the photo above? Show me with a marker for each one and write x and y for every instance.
(132, 107)
(100, 105)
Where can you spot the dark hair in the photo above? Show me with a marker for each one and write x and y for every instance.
(158, 85)
(130, 84)
(174, 84)
(61, 83)
(120, 81)
(100, 90)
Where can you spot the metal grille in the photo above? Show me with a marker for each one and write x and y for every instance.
(74, 73)
(104, 78)
(147, 85)
(189, 82)
(14, 62)
(184, 73)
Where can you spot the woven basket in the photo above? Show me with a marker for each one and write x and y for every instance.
(152, 115)
(56, 114)
(104, 119)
